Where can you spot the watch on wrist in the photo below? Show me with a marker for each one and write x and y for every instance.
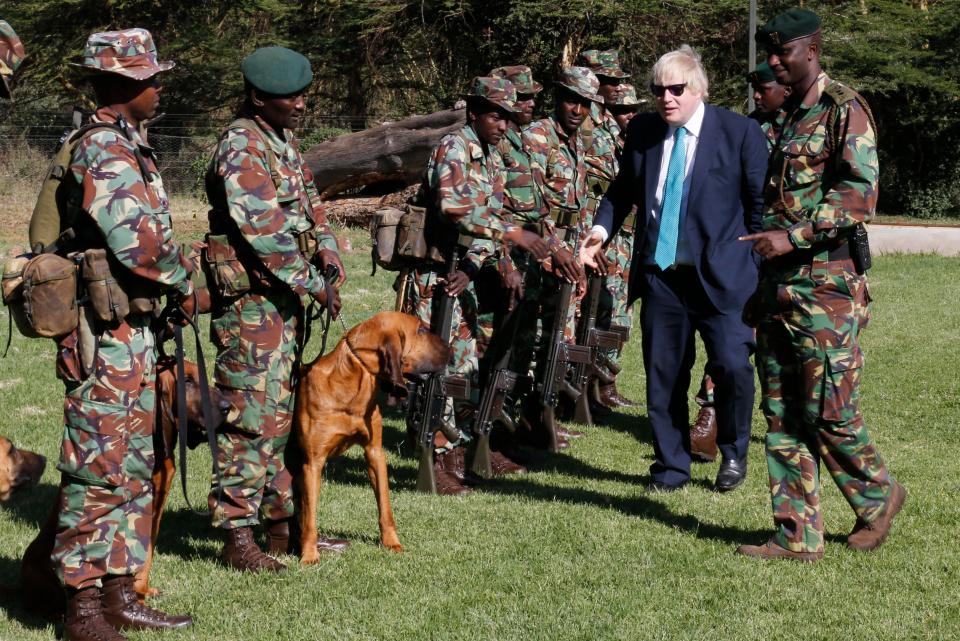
(795, 234)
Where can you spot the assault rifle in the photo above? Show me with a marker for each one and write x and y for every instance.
(559, 356)
(596, 341)
(425, 412)
(500, 381)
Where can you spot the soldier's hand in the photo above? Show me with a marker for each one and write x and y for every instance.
(455, 282)
(566, 266)
(513, 283)
(335, 304)
(330, 257)
(530, 242)
(770, 244)
(591, 246)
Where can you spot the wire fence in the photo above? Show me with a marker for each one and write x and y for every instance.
(183, 142)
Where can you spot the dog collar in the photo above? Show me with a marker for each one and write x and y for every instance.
(353, 352)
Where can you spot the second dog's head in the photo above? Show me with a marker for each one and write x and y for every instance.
(18, 468)
(404, 347)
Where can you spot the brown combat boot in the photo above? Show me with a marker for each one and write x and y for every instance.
(770, 551)
(448, 471)
(502, 465)
(241, 552)
(703, 436)
(278, 539)
(621, 399)
(867, 536)
(84, 620)
(124, 611)
(607, 396)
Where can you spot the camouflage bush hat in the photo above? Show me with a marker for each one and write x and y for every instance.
(580, 81)
(497, 91)
(761, 75)
(130, 53)
(277, 70)
(626, 96)
(520, 76)
(602, 63)
(789, 25)
(11, 57)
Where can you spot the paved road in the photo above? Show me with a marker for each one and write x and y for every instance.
(914, 239)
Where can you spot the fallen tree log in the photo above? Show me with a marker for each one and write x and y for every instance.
(395, 152)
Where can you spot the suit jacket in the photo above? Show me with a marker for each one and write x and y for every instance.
(725, 201)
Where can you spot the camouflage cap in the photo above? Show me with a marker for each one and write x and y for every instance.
(788, 26)
(602, 63)
(761, 75)
(495, 90)
(626, 96)
(277, 70)
(129, 52)
(520, 76)
(11, 57)
(580, 81)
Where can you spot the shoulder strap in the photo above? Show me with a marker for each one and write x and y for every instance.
(841, 94)
(250, 125)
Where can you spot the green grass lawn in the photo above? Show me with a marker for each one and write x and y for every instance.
(576, 549)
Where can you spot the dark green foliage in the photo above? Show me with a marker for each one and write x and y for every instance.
(377, 59)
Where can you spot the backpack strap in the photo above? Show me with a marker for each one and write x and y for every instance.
(250, 125)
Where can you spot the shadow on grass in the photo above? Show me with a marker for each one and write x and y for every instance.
(32, 506)
(12, 598)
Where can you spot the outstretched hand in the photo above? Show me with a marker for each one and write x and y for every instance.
(589, 250)
(770, 244)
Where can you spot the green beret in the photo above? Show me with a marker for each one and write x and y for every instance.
(277, 70)
(789, 25)
(761, 75)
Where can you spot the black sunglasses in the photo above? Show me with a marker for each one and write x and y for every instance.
(675, 90)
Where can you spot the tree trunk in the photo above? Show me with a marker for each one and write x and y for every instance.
(395, 152)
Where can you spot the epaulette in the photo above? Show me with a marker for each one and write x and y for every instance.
(840, 93)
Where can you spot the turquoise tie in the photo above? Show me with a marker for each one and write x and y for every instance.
(666, 253)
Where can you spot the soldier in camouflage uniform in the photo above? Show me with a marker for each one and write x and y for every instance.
(11, 57)
(107, 455)
(602, 166)
(812, 302)
(769, 96)
(464, 190)
(557, 152)
(264, 204)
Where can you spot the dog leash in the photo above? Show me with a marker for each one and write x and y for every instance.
(206, 406)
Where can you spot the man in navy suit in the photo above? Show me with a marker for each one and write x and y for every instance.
(696, 174)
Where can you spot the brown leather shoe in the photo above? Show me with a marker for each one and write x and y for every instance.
(867, 536)
(606, 396)
(563, 432)
(502, 465)
(124, 611)
(241, 552)
(703, 436)
(278, 536)
(621, 399)
(771, 550)
(448, 473)
(84, 619)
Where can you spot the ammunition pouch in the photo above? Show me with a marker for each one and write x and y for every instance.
(109, 302)
(400, 239)
(308, 244)
(565, 217)
(41, 293)
(223, 270)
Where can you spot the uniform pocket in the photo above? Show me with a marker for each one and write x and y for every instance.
(94, 442)
(242, 390)
(841, 384)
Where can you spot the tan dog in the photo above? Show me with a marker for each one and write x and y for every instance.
(337, 408)
(18, 468)
(38, 579)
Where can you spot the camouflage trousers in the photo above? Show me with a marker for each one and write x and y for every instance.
(106, 457)
(256, 340)
(614, 309)
(463, 333)
(809, 360)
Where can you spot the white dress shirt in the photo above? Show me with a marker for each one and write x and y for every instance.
(693, 127)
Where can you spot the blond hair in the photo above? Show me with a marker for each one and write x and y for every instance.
(684, 62)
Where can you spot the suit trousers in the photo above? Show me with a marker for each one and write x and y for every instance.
(674, 306)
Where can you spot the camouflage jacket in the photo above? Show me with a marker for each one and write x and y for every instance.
(521, 197)
(600, 141)
(466, 187)
(131, 212)
(558, 167)
(823, 170)
(770, 124)
(262, 182)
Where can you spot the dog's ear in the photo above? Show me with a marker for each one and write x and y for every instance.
(391, 365)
